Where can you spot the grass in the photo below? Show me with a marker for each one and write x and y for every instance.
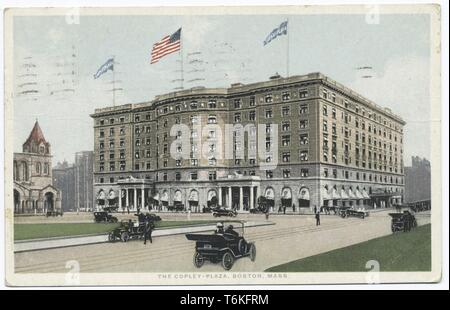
(36, 231)
(397, 252)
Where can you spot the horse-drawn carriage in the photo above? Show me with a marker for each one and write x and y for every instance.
(104, 217)
(403, 221)
(225, 245)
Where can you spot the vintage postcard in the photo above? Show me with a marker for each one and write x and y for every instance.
(222, 145)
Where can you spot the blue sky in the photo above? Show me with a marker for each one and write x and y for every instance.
(398, 49)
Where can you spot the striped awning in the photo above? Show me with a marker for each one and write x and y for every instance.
(351, 195)
(334, 194)
(344, 194)
(325, 194)
(365, 195)
(358, 194)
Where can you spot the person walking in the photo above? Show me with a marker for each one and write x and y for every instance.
(148, 229)
(317, 218)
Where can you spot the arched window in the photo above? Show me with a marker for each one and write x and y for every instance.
(38, 168)
(16, 171)
(24, 167)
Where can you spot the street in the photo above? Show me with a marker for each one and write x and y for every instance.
(292, 237)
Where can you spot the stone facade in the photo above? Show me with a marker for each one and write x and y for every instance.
(33, 184)
(327, 145)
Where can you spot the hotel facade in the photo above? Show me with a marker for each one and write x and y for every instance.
(301, 142)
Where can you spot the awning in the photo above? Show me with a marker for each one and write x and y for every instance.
(351, 195)
(156, 197)
(365, 195)
(193, 196)
(112, 195)
(344, 194)
(165, 196)
(304, 194)
(286, 193)
(177, 196)
(325, 194)
(270, 194)
(101, 195)
(334, 194)
(358, 194)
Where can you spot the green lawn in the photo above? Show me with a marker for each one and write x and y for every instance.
(398, 252)
(35, 231)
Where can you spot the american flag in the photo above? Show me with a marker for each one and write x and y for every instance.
(166, 46)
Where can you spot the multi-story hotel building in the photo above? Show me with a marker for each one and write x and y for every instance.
(327, 146)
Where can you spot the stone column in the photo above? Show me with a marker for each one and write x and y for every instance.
(220, 196)
(241, 198)
(127, 203)
(135, 199)
(143, 198)
(120, 199)
(229, 196)
(252, 200)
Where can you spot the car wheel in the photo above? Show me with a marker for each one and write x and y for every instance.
(242, 246)
(125, 236)
(199, 260)
(227, 261)
(111, 237)
(252, 252)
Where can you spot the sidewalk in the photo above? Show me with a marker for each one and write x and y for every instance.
(59, 242)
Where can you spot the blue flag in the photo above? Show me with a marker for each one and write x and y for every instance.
(280, 30)
(108, 65)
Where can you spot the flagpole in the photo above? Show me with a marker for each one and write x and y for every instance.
(181, 63)
(114, 82)
(287, 48)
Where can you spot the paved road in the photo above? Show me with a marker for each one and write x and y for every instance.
(292, 237)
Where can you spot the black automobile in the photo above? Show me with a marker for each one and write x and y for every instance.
(349, 212)
(54, 213)
(403, 221)
(132, 229)
(111, 209)
(218, 212)
(104, 217)
(224, 246)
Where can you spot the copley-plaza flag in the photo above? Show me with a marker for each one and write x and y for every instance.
(108, 65)
(280, 30)
(168, 45)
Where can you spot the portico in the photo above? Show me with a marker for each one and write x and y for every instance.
(134, 193)
(239, 192)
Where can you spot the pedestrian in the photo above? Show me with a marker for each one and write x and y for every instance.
(317, 218)
(293, 207)
(128, 209)
(267, 214)
(315, 209)
(148, 229)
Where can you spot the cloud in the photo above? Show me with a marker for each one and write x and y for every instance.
(403, 86)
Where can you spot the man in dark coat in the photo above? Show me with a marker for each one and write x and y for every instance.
(318, 218)
(148, 229)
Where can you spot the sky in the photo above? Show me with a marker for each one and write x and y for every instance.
(231, 50)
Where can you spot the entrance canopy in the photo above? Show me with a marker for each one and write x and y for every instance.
(193, 196)
(270, 194)
(304, 193)
(177, 196)
(165, 196)
(211, 194)
(286, 193)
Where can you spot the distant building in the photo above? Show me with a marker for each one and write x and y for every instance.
(64, 179)
(33, 187)
(76, 182)
(418, 180)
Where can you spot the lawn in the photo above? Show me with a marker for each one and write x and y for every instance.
(397, 252)
(35, 231)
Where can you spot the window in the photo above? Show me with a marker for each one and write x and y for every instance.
(333, 97)
(212, 119)
(303, 93)
(252, 101)
(325, 172)
(333, 113)
(303, 124)
(237, 103)
(138, 142)
(212, 175)
(178, 163)
(122, 130)
(112, 166)
(122, 119)
(194, 176)
(148, 117)
(268, 98)
(303, 155)
(286, 111)
(325, 94)
(335, 173)
(269, 174)
(194, 162)
(137, 118)
(304, 172)
(286, 96)
(251, 115)
(269, 113)
(177, 108)
(304, 138)
(212, 104)
(102, 122)
(111, 144)
(237, 117)
(177, 176)
(286, 173)
(194, 105)
(286, 157)
(286, 126)
(101, 133)
(303, 109)
(325, 125)
(136, 155)
(325, 110)
(285, 140)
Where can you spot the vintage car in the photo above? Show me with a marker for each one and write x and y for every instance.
(224, 212)
(111, 209)
(104, 217)
(223, 246)
(349, 212)
(130, 229)
(53, 213)
(402, 221)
